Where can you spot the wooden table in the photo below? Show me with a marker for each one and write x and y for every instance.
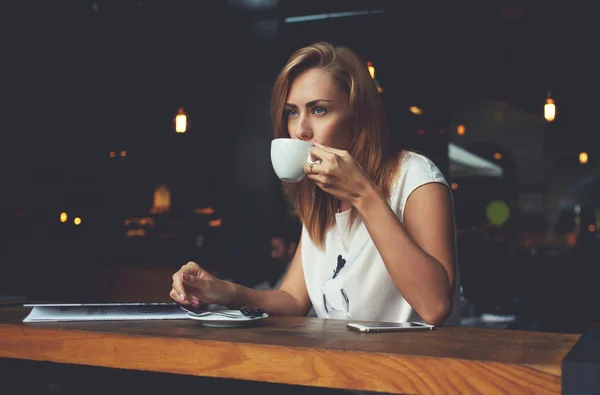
(303, 351)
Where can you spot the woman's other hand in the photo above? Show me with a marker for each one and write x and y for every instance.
(194, 285)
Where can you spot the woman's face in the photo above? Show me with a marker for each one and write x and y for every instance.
(316, 109)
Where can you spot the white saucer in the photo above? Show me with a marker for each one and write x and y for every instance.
(219, 321)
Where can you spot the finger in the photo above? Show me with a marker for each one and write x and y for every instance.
(313, 168)
(190, 299)
(191, 268)
(319, 179)
(317, 153)
(329, 149)
(177, 297)
(193, 281)
(178, 285)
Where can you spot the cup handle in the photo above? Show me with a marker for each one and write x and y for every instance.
(309, 160)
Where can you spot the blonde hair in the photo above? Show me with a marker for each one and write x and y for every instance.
(370, 142)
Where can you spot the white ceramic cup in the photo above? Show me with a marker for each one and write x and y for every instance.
(288, 157)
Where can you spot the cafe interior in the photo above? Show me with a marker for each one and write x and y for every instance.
(137, 138)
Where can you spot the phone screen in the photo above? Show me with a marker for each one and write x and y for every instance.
(389, 326)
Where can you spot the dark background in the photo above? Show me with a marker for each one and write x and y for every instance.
(82, 79)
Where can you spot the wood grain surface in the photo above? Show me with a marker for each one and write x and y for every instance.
(303, 351)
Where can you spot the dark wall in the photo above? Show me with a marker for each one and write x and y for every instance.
(253, 192)
(84, 80)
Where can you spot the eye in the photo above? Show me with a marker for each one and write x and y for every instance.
(291, 113)
(319, 110)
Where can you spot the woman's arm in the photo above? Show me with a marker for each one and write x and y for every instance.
(420, 255)
(290, 299)
(192, 284)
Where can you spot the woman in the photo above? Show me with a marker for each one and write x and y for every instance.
(378, 239)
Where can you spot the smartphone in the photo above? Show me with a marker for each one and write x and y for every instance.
(389, 326)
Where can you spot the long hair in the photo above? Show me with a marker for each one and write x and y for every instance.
(370, 145)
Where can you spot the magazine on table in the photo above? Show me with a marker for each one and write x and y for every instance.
(53, 312)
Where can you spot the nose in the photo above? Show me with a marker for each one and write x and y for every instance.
(303, 129)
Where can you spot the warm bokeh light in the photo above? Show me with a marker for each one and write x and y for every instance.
(162, 200)
(113, 154)
(454, 186)
(372, 72)
(204, 211)
(497, 156)
(571, 239)
(592, 228)
(215, 224)
(415, 110)
(136, 232)
(63, 217)
(77, 221)
(583, 158)
(143, 221)
(123, 154)
(371, 69)
(147, 221)
(181, 121)
(421, 131)
(460, 129)
(549, 110)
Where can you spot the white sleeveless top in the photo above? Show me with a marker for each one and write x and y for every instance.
(363, 289)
